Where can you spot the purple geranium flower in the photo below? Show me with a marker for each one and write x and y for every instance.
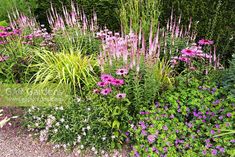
(151, 138)
(214, 152)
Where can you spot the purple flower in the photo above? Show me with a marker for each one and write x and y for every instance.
(172, 116)
(195, 114)
(151, 138)
(216, 102)
(204, 152)
(156, 104)
(229, 114)
(207, 140)
(214, 152)
(221, 150)
(220, 117)
(144, 133)
(165, 149)
(212, 132)
(165, 127)
(217, 126)
(232, 141)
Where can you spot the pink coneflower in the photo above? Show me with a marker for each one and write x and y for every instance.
(205, 42)
(122, 71)
(120, 95)
(102, 84)
(184, 59)
(96, 91)
(3, 58)
(117, 82)
(106, 91)
(188, 52)
(106, 77)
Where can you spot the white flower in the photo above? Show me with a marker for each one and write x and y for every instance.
(56, 108)
(103, 138)
(62, 120)
(33, 107)
(96, 152)
(67, 126)
(61, 108)
(88, 109)
(93, 149)
(81, 146)
(88, 127)
(102, 152)
(55, 130)
(29, 110)
(36, 124)
(83, 129)
(57, 124)
(84, 133)
(78, 99)
(113, 137)
(79, 137)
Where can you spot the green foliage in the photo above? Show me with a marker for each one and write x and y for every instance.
(3, 23)
(184, 122)
(139, 15)
(66, 67)
(229, 77)
(22, 5)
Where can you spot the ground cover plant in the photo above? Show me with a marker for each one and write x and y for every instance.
(149, 89)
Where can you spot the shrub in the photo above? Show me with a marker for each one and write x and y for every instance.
(184, 121)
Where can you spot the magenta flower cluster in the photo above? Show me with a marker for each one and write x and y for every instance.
(108, 82)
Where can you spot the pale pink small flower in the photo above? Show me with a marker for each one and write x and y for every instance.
(205, 42)
(122, 71)
(106, 91)
(120, 95)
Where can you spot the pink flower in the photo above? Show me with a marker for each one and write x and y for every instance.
(96, 91)
(102, 84)
(122, 71)
(205, 42)
(188, 52)
(117, 82)
(106, 91)
(106, 77)
(184, 59)
(3, 58)
(120, 95)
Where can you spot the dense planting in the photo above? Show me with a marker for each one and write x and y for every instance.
(150, 89)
